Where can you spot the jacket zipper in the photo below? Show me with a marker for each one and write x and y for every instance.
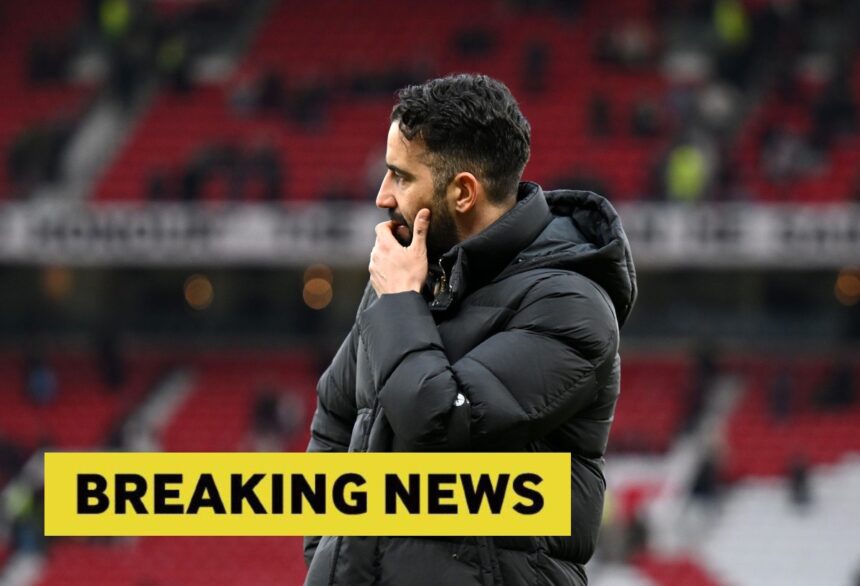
(441, 286)
(362, 449)
(488, 559)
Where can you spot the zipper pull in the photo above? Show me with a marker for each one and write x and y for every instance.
(444, 280)
(441, 286)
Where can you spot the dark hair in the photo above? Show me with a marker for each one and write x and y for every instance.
(467, 123)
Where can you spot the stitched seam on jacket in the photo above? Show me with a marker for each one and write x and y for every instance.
(370, 362)
(501, 383)
(337, 388)
(334, 561)
(551, 399)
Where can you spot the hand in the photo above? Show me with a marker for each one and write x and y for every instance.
(395, 268)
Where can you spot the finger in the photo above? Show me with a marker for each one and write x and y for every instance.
(384, 234)
(419, 230)
(383, 227)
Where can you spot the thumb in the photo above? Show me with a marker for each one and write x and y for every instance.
(419, 231)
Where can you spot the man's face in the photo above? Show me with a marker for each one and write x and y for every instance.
(407, 188)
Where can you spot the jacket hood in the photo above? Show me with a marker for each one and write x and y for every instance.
(573, 230)
(585, 235)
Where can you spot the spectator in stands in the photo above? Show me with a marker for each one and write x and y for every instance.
(127, 61)
(272, 93)
(23, 504)
(137, 435)
(716, 108)
(689, 168)
(276, 418)
(800, 491)
(35, 157)
(645, 119)
(229, 167)
(267, 420)
(475, 41)
(599, 115)
(196, 173)
(40, 380)
(536, 56)
(243, 97)
(209, 23)
(732, 26)
(261, 94)
(173, 63)
(309, 103)
(706, 488)
(337, 188)
(781, 394)
(786, 155)
(381, 83)
(263, 167)
(23, 510)
(681, 103)
(611, 547)
(116, 18)
(637, 535)
(128, 32)
(48, 60)
(631, 45)
(565, 8)
(701, 383)
(160, 185)
(727, 185)
(25, 160)
(11, 459)
(838, 391)
(255, 172)
(580, 178)
(133, 433)
(835, 112)
(110, 361)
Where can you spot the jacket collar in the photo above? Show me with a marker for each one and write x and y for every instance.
(475, 261)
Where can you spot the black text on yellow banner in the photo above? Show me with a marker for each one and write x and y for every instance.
(122, 494)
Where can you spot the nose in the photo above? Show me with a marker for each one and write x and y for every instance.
(385, 197)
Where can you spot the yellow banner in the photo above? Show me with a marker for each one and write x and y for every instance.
(125, 494)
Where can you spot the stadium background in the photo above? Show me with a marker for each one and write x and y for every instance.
(186, 212)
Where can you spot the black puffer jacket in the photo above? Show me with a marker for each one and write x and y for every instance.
(518, 352)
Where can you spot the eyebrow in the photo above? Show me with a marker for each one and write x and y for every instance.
(397, 169)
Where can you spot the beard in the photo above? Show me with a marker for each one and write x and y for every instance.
(442, 234)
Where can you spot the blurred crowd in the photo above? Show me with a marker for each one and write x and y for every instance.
(726, 61)
(627, 525)
(791, 65)
(274, 420)
(136, 47)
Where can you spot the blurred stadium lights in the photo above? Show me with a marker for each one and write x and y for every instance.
(317, 293)
(199, 292)
(319, 271)
(57, 282)
(847, 288)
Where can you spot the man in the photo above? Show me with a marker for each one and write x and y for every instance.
(490, 324)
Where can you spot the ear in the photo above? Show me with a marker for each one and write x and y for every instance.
(464, 190)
